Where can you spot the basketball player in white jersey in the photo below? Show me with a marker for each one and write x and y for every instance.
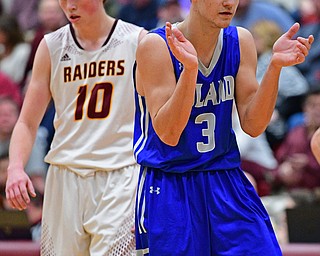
(86, 68)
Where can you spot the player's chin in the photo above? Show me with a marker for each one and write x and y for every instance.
(223, 23)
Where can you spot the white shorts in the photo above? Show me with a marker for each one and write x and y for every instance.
(91, 215)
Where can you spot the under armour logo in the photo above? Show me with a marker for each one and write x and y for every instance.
(180, 66)
(152, 190)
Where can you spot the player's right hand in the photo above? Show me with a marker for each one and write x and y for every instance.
(18, 189)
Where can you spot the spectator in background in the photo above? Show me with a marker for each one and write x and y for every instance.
(25, 12)
(292, 84)
(169, 10)
(36, 167)
(112, 7)
(257, 157)
(14, 51)
(51, 17)
(185, 6)
(8, 88)
(251, 11)
(305, 12)
(9, 112)
(311, 68)
(298, 168)
(289, 6)
(140, 12)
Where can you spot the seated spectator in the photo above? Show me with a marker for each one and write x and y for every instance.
(8, 88)
(251, 11)
(14, 51)
(25, 12)
(298, 168)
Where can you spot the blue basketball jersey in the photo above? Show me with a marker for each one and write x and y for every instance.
(208, 141)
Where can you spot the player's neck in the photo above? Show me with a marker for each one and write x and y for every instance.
(93, 36)
(203, 40)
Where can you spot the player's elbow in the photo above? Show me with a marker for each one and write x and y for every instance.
(169, 141)
(254, 131)
(170, 138)
(253, 134)
(169, 132)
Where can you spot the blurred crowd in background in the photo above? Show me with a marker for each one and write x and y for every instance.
(279, 162)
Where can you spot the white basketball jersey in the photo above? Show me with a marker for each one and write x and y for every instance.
(93, 97)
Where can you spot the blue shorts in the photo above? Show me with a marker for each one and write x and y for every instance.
(201, 213)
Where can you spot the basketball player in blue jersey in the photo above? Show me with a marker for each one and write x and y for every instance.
(193, 198)
(86, 67)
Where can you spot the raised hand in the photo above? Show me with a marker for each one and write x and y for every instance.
(182, 49)
(288, 51)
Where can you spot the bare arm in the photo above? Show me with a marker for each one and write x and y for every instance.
(142, 34)
(256, 103)
(169, 102)
(37, 98)
(315, 144)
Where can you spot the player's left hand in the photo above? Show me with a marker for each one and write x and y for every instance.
(288, 51)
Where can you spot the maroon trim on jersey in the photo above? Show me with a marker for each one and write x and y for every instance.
(107, 40)
(111, 32)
